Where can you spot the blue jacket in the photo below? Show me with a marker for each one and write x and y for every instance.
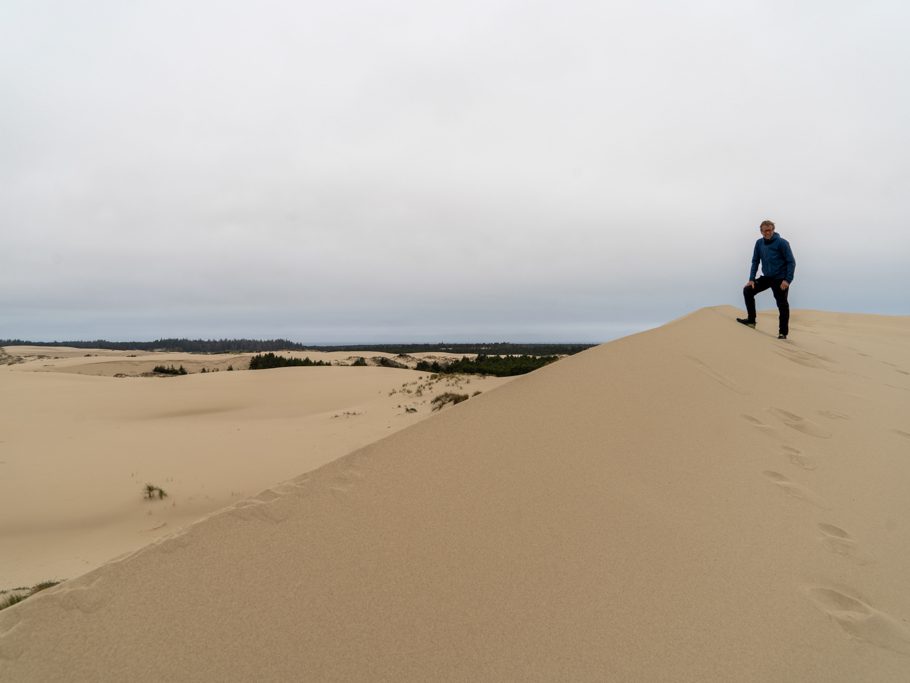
(776, 259)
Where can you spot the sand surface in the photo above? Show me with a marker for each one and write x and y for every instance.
(700, 502)
(77, 444)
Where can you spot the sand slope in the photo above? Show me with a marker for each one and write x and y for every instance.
(77, 445)
(696, 503)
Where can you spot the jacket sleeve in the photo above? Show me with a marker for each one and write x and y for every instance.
(756, 257)
(791, 262)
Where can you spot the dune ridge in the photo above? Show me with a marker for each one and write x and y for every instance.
(697, 502)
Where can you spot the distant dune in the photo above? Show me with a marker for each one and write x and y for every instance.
(78, 443)
(700, 502)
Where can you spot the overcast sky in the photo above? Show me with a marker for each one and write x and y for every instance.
(495, 170)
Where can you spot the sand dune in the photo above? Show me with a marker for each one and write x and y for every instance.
(76, 449)
(701, 502)
(109, 363)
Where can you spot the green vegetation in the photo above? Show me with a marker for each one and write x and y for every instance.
(389, 363)
(360, 362)
(23, 592)
(169, 370)
(12, 599)
(499, 366)
(446, 398)
(151, 492)
(265, 361)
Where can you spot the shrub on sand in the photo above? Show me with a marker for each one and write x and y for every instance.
(169, 370)
(12, 599)
(20, 594)
(151, 492)
(448, 397)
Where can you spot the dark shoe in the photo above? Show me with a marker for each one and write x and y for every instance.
(746, 322)
(781, 336)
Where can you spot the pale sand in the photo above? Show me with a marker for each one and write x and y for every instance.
(134, 363)
(76, 451)
(701, 502)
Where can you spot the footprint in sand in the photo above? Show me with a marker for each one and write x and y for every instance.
(833, 415)
(902, 433)
(860, 620)
(760, 426)
(799, 423)
(800, 459)
(791, 488)
(805, 358)
(837, 540)
(718, 377)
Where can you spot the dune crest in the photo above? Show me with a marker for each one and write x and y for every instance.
(700, 502)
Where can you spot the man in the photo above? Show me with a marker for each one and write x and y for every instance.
(777, 265)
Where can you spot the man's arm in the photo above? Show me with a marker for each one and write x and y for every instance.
(756, 257)
(791, 262)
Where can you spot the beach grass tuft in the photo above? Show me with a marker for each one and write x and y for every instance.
(152, 492)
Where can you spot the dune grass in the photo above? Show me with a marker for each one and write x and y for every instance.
(151, 492)
(10, 597)
(448, 397)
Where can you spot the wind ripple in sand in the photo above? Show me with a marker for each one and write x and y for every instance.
(834, 415)
(721, 379)
(861, 621)
(805, 358)
(799, 423)
(796, 490)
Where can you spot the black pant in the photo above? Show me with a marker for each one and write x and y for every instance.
(780, 296)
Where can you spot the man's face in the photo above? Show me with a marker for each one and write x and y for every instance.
(767, 231)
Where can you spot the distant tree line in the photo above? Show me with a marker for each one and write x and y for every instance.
(184, 345)
(169, 370)
(265, 361)
(266, 345)
(499, 366)
(490, 348)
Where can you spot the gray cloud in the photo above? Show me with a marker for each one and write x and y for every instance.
(359, 171)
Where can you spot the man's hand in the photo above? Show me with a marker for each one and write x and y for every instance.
(784, 285)
(751, 283)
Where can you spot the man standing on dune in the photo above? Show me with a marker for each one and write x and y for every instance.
(777, 266)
